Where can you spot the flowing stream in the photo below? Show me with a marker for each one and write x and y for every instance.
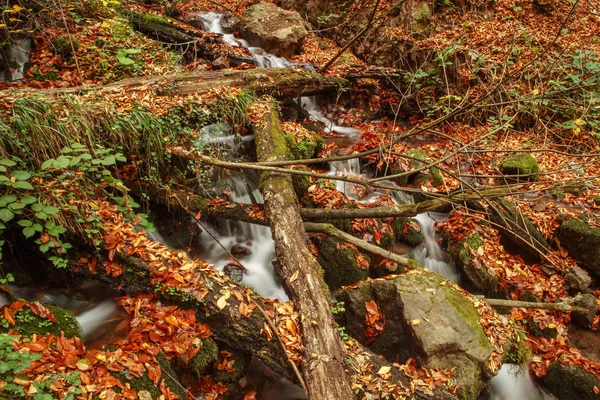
(99, 315)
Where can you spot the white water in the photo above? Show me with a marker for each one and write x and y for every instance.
(430, 253)
(257, 238)
(512, 383)
(18, 56)
(90, 304)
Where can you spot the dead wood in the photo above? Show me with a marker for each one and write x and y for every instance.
(324, 367)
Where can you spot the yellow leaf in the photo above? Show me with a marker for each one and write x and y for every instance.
(101, 357)
(221, 303)
(82, 365)
(17, 8)
(551, 325)
(480, 250)
(384, 370)
(294, 276)
(172, 320)
(415, 322)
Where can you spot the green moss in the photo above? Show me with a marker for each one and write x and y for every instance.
(570, 382)
(304, 148)
(340, 266)
(434, 175)
(596, 200)
(516, 351)
(524, 165)
(467, 311)
(27, 323)
(413, 236)
(208, 354)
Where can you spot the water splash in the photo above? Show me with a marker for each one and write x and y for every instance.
(512, 383)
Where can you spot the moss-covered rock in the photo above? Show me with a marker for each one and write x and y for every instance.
(426, 319)
(464, 253)
(516, 351)
(240, 359)
(432, 175)
(301, 184)
(340, 263)
(582, 242)
(408, 231)
(27, 323)
(523, 165)
(307, 147)
(208, 354)
(570, 382)
(144, 383)
(518, 229)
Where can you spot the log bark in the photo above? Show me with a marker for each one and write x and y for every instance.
(561, 306)
(324, 366)
(273, 81)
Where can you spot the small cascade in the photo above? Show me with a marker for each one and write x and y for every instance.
(213, 23)
(310, 105)
(430, 253)
(18, 57)
(512, 383)
(255, 239)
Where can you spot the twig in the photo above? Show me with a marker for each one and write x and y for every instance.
(282, 343)
(562, 306)
(351, 41)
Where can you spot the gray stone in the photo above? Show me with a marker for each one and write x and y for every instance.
(570, 382)
(585, 319)
(582, 242)
(577, 279)
(425, 319)
(272, 28)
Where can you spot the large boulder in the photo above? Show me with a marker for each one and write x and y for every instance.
(465, 254)
(569, 382)
(342, 263)
(582, 242)
(427, 319)
(272, 28)
(521, 166)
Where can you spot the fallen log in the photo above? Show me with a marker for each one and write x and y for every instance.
(324, 368)
(273, 81)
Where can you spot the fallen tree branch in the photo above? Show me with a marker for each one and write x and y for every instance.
(562, 306)
(331, 230)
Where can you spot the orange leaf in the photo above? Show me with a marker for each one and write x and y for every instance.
(172, 320)
(8, 315)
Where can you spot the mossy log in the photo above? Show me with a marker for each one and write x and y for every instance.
(324, 368)
(273, 81)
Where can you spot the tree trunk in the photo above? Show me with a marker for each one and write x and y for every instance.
(274, 81)
(324, 366)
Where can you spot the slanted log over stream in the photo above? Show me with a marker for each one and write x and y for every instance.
(324, 367)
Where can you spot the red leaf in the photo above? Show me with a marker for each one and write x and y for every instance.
(8, 315)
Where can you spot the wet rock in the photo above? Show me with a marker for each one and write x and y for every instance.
(465, 254)
(523, 165)
(582, 242)
(432, 174)
(570, 382)
(229, 22)
(577, 279)
(517, 229)
(420, 16)
(28, 323)
(234, 271)
(340, 263)
(587, 341)
(272, 28)
(425, 319)
(408, 231)
(239, 251)
(585, 318)
(221, 62)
